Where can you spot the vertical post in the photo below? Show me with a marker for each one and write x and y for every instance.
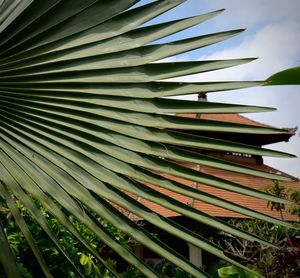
(195, 255)
(138, 250)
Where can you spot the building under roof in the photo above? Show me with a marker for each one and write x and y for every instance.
(255, 162)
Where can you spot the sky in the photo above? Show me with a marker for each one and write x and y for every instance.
(273, 35)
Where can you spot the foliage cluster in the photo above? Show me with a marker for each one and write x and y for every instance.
(272, 262)
(57, 264)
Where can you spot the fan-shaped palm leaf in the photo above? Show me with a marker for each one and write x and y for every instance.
(84, 125)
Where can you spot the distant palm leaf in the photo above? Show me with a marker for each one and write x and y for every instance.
(84, 122)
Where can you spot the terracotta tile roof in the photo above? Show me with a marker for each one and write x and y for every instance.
(249, 202)
(252, 139)
(230, 118)
(246, 180)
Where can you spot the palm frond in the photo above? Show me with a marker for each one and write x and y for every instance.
(85, 125)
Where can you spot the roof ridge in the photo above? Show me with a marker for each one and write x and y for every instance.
(255, 122)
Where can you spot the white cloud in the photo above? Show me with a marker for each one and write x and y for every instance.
(252, 13)
(274, 37)
(276, 46)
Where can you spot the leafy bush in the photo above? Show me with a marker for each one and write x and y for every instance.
(58, 266)
(271, 261)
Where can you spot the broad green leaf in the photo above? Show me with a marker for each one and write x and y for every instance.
(233, 271)
(287, 77)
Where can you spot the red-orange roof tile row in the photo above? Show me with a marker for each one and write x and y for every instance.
(230, 118)
(247, 201)
(243, 179)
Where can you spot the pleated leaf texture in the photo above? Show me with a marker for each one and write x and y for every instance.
(85, 125)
